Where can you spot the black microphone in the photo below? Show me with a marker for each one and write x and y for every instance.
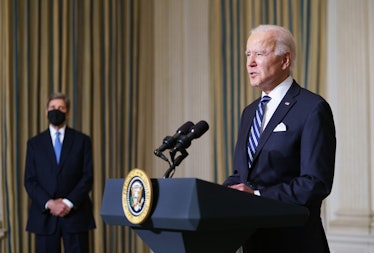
(170, 141)
(196, 131)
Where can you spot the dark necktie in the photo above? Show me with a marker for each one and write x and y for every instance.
(255, 133)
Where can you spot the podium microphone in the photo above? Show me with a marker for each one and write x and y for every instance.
(184, 141)
(170, 141)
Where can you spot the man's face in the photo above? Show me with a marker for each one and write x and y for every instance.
(265, 69)
(57, 104)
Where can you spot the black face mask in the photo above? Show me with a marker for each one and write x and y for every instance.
(56, 117)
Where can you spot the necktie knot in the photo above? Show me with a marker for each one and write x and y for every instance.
(265, 99)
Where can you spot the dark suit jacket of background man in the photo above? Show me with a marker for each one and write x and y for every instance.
(71, 179)
(294, 166)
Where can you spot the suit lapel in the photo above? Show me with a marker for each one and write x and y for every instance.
(48, 145)
(66, 145)
(251, 115)
(284, 106)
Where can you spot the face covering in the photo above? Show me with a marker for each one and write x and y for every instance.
(56, 117)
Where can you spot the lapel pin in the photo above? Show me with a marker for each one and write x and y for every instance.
(287, 103)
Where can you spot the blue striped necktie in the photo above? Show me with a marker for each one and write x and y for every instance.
(255, 133)
(57, 146)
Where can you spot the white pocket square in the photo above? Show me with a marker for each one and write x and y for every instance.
(281, 127)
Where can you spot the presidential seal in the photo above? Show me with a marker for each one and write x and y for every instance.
(137, 196)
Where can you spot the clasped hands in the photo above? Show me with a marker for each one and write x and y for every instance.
(58, 208)
(242, 187)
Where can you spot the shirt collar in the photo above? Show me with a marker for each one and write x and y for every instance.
(280, 90)
(53, 131)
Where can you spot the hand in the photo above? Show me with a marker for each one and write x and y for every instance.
(242, 187)
(58, 208)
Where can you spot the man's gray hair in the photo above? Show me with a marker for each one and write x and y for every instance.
(59, 95)
(285, 41)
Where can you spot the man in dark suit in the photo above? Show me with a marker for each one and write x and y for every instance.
(293, 160)
(58, 184)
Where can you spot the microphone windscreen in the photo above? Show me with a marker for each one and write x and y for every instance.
(185, 128)
(199, 129)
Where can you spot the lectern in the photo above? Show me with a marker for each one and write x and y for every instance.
(190, 215)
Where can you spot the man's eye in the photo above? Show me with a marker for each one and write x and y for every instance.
(249, 54)
(61, 108)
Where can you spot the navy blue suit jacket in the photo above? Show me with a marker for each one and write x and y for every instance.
(294, 166)
(71, 179)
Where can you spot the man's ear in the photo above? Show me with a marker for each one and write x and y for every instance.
(286, 61)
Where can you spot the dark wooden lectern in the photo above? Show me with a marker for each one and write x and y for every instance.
(191, 215)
